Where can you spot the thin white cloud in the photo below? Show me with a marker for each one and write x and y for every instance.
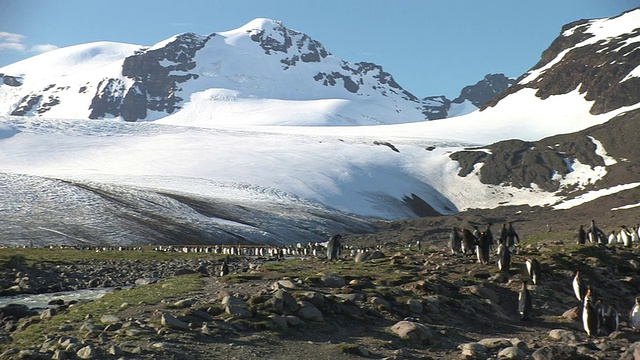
(16, 42)
(40, 48)
(7, 37)
(10, 46)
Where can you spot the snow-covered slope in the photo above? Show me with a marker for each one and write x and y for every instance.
(241, 76)
(227, 177)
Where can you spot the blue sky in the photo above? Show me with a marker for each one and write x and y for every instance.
(430, 47)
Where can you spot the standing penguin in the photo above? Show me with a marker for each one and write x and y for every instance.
(483, 249)
(625, 236)
(533, 268)
(455, 241)
(503, 234)
(512, 236)
(599, 309)
(596, 235)
(224, 270)
(487, 230)
(589, 318)
(610, 320)
(634, 315)
(525, 304)
(582, 235)
(504, 258)
(579, 288)
(476, 231)
(333, 247)
(612, 238)
(468, 241)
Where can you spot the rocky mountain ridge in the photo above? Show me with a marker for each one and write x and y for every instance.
(159, 80)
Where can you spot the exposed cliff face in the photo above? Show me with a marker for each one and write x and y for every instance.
(154, 87)
(610, 147)
(600, 64)
(484, 90)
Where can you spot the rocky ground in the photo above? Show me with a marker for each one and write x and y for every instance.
(409, 303)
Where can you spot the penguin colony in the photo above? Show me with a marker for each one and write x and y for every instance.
(598, 319)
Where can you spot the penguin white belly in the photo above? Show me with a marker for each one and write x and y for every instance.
(634, 318)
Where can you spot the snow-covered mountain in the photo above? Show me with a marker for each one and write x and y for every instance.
(242, 76)
(226, 178)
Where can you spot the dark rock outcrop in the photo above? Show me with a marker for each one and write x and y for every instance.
(519, 163)
(484, 90)
(598, 70)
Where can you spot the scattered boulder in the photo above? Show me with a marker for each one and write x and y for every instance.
(473, 350)
(413, 331)
(87, 352)
(553, 352)
(564, 335)
(368, 256)
(308, 311)
(171, 321)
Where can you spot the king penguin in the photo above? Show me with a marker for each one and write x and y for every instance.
(634, 315)
(589, 318)
(610, 320)
(533, 269)
(579, 288)
(525, 304)
(504, 257)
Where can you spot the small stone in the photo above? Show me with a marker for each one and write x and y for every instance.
(184, 303)
(87, 352)
(109, 319)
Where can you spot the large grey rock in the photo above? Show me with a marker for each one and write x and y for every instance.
(380, 303)
(232, 300)
(368, 256)
(415, 306)
(283, 284)
(287, 299)
(87, 352)
(238, 311)
(473, 350)
(413, 331)
(357, 296)
(309, 312)
(109, 319)
(495, 343)
(171, 321)
(554, 352)
(632, 352)
(484, 293)
(564, 335)
(512, 352)
(332, 280)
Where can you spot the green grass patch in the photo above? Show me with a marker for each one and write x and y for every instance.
(109, 304)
